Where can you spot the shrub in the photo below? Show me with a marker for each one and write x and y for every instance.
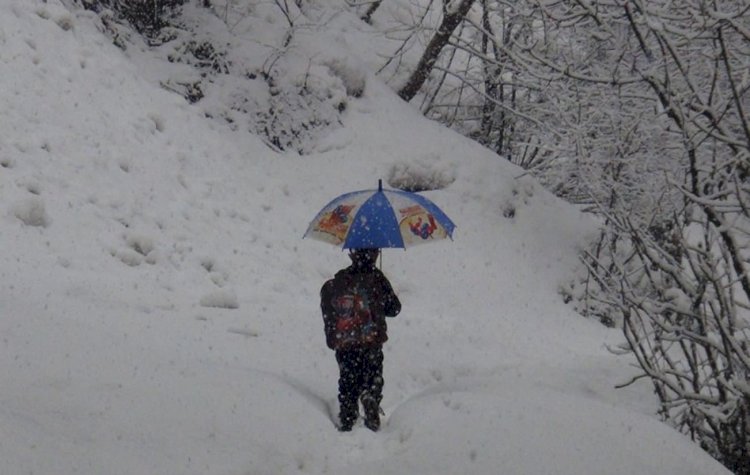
(146, 16)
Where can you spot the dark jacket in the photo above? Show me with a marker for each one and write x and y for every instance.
(383, 302)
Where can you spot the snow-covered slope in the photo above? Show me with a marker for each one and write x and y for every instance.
(159, 309)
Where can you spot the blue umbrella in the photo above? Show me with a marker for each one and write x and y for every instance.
(380, 218)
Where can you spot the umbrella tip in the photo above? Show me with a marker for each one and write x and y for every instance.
(380, 184)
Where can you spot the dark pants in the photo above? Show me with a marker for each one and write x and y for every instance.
(360, 376)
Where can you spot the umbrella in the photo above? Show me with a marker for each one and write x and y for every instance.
(379, 219)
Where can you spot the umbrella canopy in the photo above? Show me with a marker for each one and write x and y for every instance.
(380, 218)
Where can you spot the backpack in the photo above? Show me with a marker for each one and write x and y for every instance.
(348, 314)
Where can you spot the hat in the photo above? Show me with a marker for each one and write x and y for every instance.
(364, 255)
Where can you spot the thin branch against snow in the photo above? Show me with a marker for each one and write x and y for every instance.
(501, 104)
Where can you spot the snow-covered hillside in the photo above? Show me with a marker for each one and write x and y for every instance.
(159, 309)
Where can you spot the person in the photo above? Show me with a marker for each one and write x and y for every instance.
(354, 305)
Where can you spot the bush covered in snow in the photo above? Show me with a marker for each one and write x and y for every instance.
(290, 100)
(421, 175)
(146, 16)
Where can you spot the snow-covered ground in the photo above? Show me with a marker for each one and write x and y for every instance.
(159, 309)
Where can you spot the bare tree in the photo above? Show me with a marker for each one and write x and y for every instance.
(681, 289)
(453, 14)
(639, 108)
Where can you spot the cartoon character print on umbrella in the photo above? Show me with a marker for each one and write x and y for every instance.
(420, 224)
(336, 222)
(423, 230)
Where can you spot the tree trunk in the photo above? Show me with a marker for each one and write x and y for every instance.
(451, 20)
(490, 79)
(367, 17)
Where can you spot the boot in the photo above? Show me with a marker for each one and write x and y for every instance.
(346, 426)
(347, 417)
(372, 412)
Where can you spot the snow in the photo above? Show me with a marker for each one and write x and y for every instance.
(159, 309)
